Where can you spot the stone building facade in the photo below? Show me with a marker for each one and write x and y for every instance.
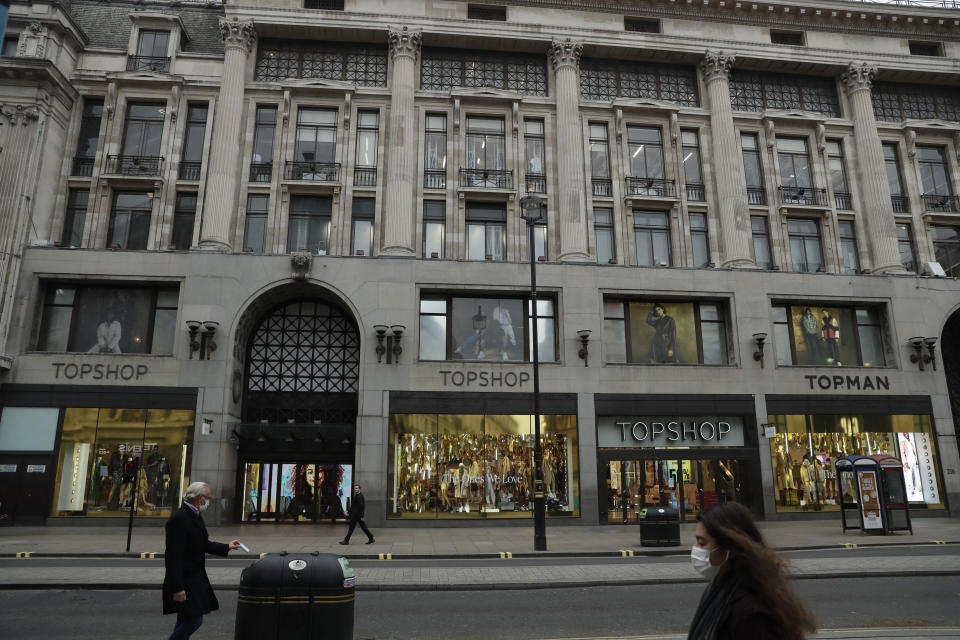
(279, 248)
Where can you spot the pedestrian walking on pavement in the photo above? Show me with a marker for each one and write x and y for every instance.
(186, 589)
(749, 595)
(357, 508)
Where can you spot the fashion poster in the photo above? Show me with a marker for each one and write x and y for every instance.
(488, 329)
(911, 466)
(113, 320)
(824, 336)
(663, 332)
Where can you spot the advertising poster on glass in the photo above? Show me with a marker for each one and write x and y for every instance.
(666, 335)
(911, 466)
(870, 503)
(824, 336)
(488, 329)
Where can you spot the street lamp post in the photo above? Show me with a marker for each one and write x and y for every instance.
(532, 204)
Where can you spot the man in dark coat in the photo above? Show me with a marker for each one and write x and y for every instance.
(357, 508)
(186, 588)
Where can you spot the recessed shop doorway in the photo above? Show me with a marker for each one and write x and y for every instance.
(25, 488)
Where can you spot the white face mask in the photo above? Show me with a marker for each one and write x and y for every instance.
(700, 558)
(203, 505)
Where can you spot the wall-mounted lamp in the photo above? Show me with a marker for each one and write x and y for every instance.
(918, 356)
(235, 437)
(206, 426)
(584, 335)
(381, 331)
(759, 339)
(193, 326)
(205, 344)
(397, 330)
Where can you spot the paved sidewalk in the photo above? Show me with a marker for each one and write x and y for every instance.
(478, 541)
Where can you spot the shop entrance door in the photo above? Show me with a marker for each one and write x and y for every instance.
(24, 489)
(296, 491)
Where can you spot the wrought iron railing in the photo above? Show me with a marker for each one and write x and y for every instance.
(651, 187)
(261, 171)
(803, 196)
(900, 204)
(190, 170)
(135, 165)
(486, 178)
(602, 187)
(82, 167)
(313, 171)
(434, 178)
(364, 176)
(536, 183)
(842, 200)
(941, 203)
(756, 195)
(696, 192)
(157, 64)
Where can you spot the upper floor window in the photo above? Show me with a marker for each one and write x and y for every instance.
(76, 216)
(362, 214)
(894, 179)
(753, 171)
(848, 246)
(935, 179)
(641, 25)
(609, 79)
(761, 241)
(838, 175)
(365, 65)
(918, 48)
(667, 332)
(88, 138)
(130, 220)
(691, 166)
(446, 69)
(316, 136)
(535, 155)
(109, 319)
(603, 234)
(794, 160)
(309, 228)
(434, 227)
(651, 234)
(264, 134)
(486, 231)
(805, 247)
(368, 130)
(255, 223)
(828, 335)
(699, 240)
(600, 160)
(750, 91)
(193, 142)
(143, 131)
(486, 147)
(10, 44)
(645, 147)
(946, 247)
(329, 5)
(905, 244)
(894, 102)
(435, 151)
(153, 52)
(184, 217)
(489, 328)
(792, 38)
(486, 12)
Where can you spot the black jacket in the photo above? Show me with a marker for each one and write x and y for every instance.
(187, 544)
(730, 610)
(358, 507)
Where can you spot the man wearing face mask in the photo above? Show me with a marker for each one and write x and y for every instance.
(749, 595)
(186, 588)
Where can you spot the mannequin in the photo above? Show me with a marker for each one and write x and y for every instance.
(549, 475)
(807, 481)
(461, 487)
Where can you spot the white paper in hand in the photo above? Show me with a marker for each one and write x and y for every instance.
(244, 547)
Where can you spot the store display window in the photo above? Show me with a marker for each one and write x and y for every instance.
(480, 466)
(296, 492)
(664, 332)
(805, 448)
(110, 458)
(811, 335)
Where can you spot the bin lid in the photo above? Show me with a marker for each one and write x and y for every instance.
(658, 512)
(315, 569)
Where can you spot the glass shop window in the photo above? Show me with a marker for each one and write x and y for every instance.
(668, 332)
(817, 335)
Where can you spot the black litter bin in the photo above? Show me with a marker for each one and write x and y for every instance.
(659, 527)
(308, 596)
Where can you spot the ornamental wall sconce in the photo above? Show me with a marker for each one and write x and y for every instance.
(759, 339)
(397, 330)
(584, 335)
(381, 333)
(917, 343)
(202, 341)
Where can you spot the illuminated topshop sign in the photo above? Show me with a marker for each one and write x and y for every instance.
(670, 431)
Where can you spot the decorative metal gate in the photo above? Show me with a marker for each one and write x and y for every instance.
(303, 365)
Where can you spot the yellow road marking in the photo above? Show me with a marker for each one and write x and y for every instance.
(148, 554)
(626, 553)
(24, 554)
(506, 554)
(850, 545)
(386, 556)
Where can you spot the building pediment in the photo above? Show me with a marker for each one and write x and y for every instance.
(932, 125)
(487, 92)
(148, 77)
(320, 83)
(794, 115)
(646, 104)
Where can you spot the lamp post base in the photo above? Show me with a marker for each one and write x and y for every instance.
(539, 523)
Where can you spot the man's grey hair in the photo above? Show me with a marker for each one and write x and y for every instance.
(195, 490)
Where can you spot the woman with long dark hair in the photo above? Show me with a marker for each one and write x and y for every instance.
(749, 595)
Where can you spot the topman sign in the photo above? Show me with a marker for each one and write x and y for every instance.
(670, 431)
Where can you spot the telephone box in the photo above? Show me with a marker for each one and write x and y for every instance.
(874, 487)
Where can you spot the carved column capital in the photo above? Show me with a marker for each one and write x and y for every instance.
(565, 53)
(404, 43)
(237, 34)
(859, 75)
(716, 64)
(20, 114)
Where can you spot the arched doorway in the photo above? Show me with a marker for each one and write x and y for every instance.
(299, 412)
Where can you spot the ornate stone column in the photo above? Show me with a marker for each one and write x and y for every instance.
(16, 162)
(727, 160)
(571, 205)
(224, 165)
(877, 213)
(401, 154)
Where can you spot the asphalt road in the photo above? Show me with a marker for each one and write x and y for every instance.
(489, 615)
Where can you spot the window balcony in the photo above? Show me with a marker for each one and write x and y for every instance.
(696, 193)
(602, 187)
(941, 203)
(82, 167)
(803, 196)
(157, 64)
(651, 187)
(536, 183)
(900, 204)
(135, 165)
(486, 179)
(190, 171)
(756, 195)
(365, 176)
(843, 200)
(434, 178)
(313, 171)
(261, 171)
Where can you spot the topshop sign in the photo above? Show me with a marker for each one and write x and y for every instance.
(669, 431)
